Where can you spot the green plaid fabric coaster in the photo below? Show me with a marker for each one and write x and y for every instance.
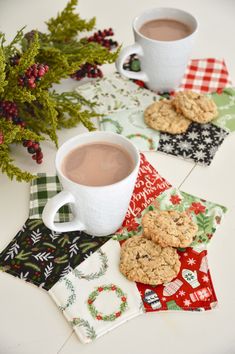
(43, 188)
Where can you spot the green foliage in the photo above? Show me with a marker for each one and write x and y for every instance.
(42, 109)
(67, 24)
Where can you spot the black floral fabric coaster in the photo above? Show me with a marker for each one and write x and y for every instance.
(199, 143)
(41, 256)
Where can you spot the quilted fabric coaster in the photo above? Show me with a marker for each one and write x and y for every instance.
(41, 189)
(205, 75)
(192, 289)
(95, 297)
(199, 144)
(130, 123)
(225, 102)
(41, 256)
(115, 93)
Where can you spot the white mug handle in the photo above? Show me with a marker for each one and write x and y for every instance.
(51, 208)
(126, 52)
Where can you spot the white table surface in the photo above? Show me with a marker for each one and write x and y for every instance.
(29, 320)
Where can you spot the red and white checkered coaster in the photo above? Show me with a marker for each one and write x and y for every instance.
(205, 75)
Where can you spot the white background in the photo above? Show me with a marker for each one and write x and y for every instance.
(30, 323)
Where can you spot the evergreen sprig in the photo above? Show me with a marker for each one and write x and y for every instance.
(43, 110)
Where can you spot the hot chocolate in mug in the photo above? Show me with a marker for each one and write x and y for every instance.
(163, 62)
(97, 210)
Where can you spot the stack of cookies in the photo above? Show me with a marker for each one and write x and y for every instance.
(152, 258)
(174, 116)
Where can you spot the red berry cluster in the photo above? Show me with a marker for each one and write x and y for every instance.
(33, 148)
(1, 137)
(100, 37)
(9, 110)
(92, 70)
(15, 60)
(87, 70)
(32, 75)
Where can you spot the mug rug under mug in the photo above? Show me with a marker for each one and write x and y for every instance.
(192, 289)
(41, 256)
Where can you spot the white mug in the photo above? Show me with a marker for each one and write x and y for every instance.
(163, 63)
(98, 210)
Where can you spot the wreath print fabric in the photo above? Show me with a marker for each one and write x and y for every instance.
(130, 123)
(96, 298)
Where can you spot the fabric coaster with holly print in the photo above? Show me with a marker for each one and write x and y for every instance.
(114, 93)
(225, 102)
(95, 297)
(192, 289)
(41, 256)
(199, 144)
(130, 123)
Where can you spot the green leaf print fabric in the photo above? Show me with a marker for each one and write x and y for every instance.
(114, 93)
(225, 102)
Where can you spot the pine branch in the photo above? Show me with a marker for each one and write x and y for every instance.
(3, 81)
(12, 171)
(49, 112)
(11, 49)
(68, 24)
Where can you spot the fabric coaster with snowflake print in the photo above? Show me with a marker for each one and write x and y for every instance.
(199, 143)
(95, 297)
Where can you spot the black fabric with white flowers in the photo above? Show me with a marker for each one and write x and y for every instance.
(199, 143)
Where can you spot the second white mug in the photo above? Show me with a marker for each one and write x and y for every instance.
(163, 63)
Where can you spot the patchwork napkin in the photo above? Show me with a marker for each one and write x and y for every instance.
(41, 256)
(225, 102)
(115, 93)
(95, 297)
(192, 289)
